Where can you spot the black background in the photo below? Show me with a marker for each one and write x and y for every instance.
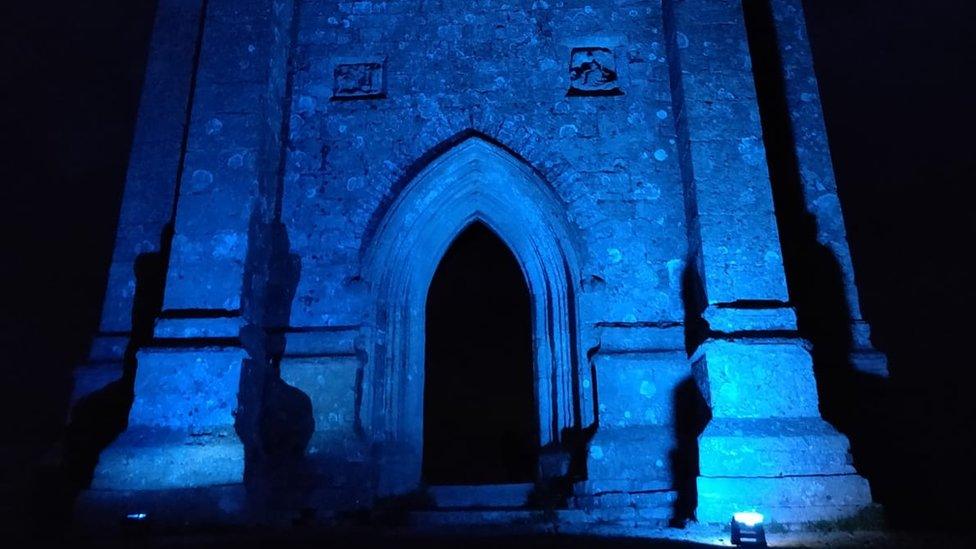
(896, 82)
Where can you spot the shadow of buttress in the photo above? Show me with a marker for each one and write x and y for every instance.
(275, 420)
(853, 402)
(99, 418)
(691, 412)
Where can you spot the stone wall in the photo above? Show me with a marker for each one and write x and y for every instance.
(501, 70)
(334, 149)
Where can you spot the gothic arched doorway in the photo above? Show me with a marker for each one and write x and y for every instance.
(480, 411)
(475, 181)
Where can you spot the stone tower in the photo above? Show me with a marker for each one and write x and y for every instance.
(299, 169)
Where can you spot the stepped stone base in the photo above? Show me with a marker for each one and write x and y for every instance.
(482, 496)
(148, 461)
(531, 521)
(871, 362)
(181, 424)
(772, 447)
(623, 508)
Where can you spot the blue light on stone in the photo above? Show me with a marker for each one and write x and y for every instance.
(300, 168)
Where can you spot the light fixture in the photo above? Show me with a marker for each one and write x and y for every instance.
(135, 524)
(747, 529)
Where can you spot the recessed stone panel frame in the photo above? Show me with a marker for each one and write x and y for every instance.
(596, 54)
(475, 181)
(375, 63)
(616, 45)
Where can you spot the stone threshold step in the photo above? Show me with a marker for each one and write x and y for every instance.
(484, 496)
(523, 521)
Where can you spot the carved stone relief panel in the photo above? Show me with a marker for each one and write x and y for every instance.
(359, 79)
(593, 71)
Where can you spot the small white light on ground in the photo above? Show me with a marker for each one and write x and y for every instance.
(747, 529)
(748, 518)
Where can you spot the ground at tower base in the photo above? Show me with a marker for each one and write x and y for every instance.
(693, 536)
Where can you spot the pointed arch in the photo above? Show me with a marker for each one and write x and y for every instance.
(473, 181)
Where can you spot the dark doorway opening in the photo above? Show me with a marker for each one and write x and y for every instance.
(480, 415)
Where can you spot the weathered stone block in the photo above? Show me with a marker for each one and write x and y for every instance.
(630, 459)
(338, 342)
(181, 424)
(756, 378)
(221, 257)
(193, 390)
(731, 320)
(188, 328)
(639, 389)
(772, 448)
(636, 339)
(783, 500)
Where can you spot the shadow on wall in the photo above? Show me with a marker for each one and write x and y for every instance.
(852, 401)
(275, 420)
(100, 417)
(691, 415)
(691, 412)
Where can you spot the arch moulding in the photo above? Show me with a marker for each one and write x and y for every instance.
(474, 181)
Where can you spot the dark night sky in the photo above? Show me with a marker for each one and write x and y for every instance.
(897, 86)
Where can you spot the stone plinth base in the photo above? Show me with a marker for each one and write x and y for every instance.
(630, 459)
(147, 460)
(773, 447)
(783, 500)
(624, 508)
(181, 424)
(864, 357)
(870, 361)
(766, 447)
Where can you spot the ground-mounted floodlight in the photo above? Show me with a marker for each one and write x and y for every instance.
(747, 529)
(135, 523)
